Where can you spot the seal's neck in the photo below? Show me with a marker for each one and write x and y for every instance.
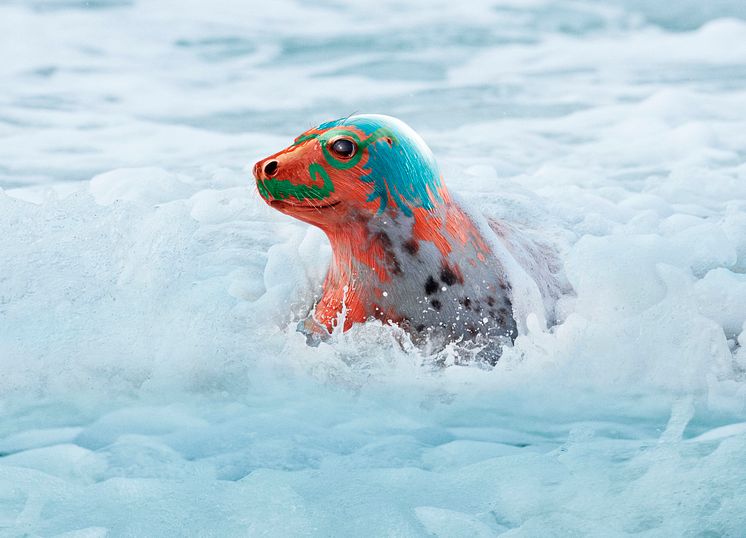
(361, 260)
(366, 256)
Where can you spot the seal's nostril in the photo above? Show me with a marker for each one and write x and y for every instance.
(270, 169)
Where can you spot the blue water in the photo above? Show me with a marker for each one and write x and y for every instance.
(152, 380)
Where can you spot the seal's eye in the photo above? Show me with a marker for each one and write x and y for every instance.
(344, 148)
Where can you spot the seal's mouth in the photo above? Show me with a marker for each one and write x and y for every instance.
(281, 204)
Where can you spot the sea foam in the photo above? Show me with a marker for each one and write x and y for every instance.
(153, 380)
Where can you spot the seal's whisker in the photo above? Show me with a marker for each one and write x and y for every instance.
(316, 207)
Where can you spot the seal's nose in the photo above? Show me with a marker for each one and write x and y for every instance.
(266, 169)
(270, 169)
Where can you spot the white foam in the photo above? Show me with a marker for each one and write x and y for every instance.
(153, 380)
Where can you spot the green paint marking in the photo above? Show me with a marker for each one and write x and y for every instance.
(262, 189)
(331, 159)
(281, 189)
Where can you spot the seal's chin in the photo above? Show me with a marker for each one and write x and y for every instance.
(289, 207)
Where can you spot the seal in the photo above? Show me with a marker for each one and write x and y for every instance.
(405, 250)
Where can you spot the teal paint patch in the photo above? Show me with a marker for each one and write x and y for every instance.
(405, 172)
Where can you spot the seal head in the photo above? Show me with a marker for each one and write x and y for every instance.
(366, 163)
(404, 251)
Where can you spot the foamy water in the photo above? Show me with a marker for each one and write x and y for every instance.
(152, 380)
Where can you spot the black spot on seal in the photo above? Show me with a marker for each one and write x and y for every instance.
(430, 285)
(436, 304)
(391, 260)
(448, 277)
(412, 247)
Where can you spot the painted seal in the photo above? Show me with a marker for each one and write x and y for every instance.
(405, 250)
